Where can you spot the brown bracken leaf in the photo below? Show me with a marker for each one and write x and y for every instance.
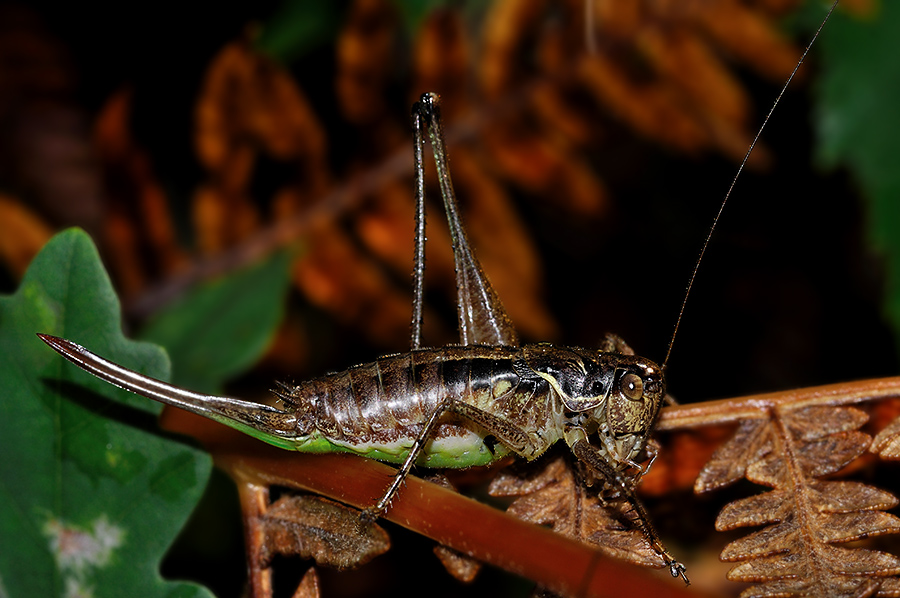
(728, 464)
(335, 275)
(320, 529)
(364, 60)
(533, 100)
(795, 555)
(138, 214)
(457, 564)
(887, 443)
(22, 234)
(309, 585)
(553, 496)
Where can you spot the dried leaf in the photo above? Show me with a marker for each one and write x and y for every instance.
(317, 528)
(533, 161)
(248, 102)
(887, 443)
(815, 458)
(22, 234)
(112, 135)
(826, 497)
(222, 220)
(846, 527)
(795, 555)
(309, 585)
(552, 496)
(729, 462)
(364, 60)
(441, 59)
(505, 248)
(890, 587)
(833, 586)
(689, 62)
(560, 119)
(771, 540)
(753, 510)
(652, 109)
(832, 453)
(825, 564)
(457, 564)
(120, 232)
(713, 95)
(783, 537)
(815, 422)
(505, 26)
(844, 497)
(337, 277)
(746, 34)
(384, 224)
(682, 458)
(138, 216)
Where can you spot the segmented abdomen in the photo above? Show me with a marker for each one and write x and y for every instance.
(379, 408)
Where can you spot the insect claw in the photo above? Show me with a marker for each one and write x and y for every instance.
(678, 570)
(369, 515)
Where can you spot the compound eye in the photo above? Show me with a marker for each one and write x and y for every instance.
(632, 387)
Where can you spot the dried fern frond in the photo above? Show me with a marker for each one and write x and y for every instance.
(795, 555)
(553, 496)
(887, 442)
(320, 529)
(461, 566)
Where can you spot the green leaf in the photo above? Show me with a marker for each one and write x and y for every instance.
(222, 328)
(414, 12)
(91, 495)
(296, 27)
(858, 123)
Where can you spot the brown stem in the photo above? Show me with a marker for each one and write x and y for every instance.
(473, 528)
(476, 529)
(254, 502)
(757, 406)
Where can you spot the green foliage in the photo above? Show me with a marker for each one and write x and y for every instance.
(296, 27)
(91, 495)
(222, 327)
(413, 12)
(859, 126)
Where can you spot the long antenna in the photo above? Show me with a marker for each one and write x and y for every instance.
(740, 169)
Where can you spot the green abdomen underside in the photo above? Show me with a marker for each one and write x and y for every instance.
(378, 409)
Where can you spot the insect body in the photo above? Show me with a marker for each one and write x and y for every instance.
(456, 406)
(538, 392)
(437, 407)
(529, 398)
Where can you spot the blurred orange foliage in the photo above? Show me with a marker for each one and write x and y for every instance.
(523, 82)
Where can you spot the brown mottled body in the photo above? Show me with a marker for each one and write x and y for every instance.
(526, 398)
(386, 403)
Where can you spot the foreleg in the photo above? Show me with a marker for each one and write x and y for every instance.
(595, 459)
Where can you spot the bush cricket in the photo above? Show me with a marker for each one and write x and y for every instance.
(601, 402)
